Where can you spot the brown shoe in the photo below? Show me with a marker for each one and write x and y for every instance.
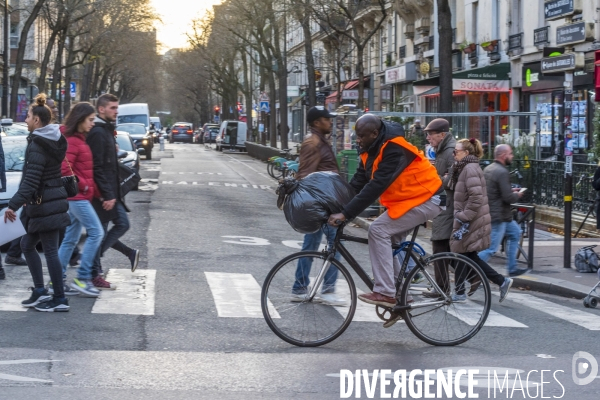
(378, 299)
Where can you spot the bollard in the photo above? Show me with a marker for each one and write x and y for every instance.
(161, 140)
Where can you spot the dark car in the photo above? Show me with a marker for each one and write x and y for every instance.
(210, 133)
(181, 132)
(140, 136)
(132, 159)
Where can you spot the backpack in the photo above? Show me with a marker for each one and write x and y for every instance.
(586, 259)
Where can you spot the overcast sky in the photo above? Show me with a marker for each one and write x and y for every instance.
(177, 18)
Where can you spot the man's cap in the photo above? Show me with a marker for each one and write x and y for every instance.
(318, 112)
(438, 125)
(417, 120)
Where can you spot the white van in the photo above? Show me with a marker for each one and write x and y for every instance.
(157, 123)
(233, 136)
(134, 113)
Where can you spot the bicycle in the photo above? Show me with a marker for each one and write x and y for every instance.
(275, 165)
(419, 299)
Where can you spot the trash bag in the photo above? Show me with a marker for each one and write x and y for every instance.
(308, 203)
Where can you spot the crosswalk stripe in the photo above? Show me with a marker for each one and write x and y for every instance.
(14, 289)
(134, 295)
(236, 295)
(572, 315)
(470, 312)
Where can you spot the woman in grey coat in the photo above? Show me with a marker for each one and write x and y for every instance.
(472, 220)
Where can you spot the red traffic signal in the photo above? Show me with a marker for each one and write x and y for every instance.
(217, 109)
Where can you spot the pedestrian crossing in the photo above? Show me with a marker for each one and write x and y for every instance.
(237, 295)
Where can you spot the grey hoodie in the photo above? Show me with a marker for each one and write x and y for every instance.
(50, 132)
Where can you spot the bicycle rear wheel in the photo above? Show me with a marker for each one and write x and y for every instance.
(435, 318)
(294, 317)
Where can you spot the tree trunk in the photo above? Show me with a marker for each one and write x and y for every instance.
(445, 55)
(247, 95)
(44, 67)
(57, 66)
(21, 55)
(86, 81)
(95, 81)
(68, 74)
(303, 13)
(273, 113)
(361, 78)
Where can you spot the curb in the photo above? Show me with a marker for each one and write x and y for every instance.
(536, 283)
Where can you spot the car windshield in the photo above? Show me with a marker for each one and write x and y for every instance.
(124, 142)
(14, 153)
(15, 130)
(132, 129)
(132, 119)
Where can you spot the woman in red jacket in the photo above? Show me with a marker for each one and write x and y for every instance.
(79, 161)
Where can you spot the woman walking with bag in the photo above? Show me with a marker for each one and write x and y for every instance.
(472, 220)
(79, 162)
(42, 192)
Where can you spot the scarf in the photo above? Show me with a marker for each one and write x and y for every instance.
(459, 166)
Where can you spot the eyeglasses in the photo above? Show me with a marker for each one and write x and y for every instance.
(429, 133)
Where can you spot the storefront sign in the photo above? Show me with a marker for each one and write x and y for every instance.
(293, 91)
(572, 33)
(353, 94)
(401, 74)
(556, 9)
(565, 62)
(478, 85)
(493, 78)
(393, 74)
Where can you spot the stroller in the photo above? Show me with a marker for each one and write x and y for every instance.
(591, 300)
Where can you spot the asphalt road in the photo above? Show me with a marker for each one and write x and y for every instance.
(205, 216)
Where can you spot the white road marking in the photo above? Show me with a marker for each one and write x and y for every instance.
(572, 315)
(135, 294)
(18, 378)
(247, 240)
(14, 289)
(470, 313)
(236, 295)
(364, 312)
(220, 184)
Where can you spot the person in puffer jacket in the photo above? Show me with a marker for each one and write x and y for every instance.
(42, 192)
(79, 161)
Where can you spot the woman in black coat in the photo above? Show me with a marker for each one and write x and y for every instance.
(42, 193)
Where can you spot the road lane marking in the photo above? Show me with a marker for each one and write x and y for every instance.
(470, 313)
(14, 289)
(247, 240)
(135, 294)
(236, 295)
(364, 312)
(572, 315)
(219, 184)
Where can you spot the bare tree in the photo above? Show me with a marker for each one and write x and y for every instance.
(445, 54)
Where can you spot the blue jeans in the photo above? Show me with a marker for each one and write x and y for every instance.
(311, 243)
(513, 234)
(111, 238)
(82, 215)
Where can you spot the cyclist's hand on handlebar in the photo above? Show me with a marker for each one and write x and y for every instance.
(336, 219)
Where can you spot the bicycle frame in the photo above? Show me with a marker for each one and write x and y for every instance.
(339, 247)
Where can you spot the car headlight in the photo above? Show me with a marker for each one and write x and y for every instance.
(145, 141)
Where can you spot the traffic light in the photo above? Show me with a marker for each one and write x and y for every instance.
(217, 109)
(239, 107)
(318, 75)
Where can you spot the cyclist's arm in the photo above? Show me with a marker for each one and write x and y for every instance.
(395, 159)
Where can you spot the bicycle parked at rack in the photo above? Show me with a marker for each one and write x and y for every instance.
(424, 304)
(277, 166)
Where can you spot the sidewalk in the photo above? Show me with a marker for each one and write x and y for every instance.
(548, 275)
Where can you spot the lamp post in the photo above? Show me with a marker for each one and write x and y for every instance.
(5, 59)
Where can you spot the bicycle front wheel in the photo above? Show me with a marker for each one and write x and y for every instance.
(296, 318)
(456, 312)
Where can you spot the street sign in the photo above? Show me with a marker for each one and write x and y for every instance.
(293, 91)
(565, 62)
(73, 89)
(216, 118)
(261, 127)
(556, 9)
(264, 106)
(572, 33)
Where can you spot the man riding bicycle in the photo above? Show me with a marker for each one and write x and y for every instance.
(407, 185)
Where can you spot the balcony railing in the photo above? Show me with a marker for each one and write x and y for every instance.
(541, 36)
(515, 41)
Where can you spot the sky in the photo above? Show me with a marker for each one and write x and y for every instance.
(177, 18)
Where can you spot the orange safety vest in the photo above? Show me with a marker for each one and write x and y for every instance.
(414, 186)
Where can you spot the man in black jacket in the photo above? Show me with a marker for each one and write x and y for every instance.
(111, 205)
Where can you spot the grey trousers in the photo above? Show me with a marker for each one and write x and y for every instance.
(385, 231)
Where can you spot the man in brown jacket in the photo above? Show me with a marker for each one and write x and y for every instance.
(316, 155)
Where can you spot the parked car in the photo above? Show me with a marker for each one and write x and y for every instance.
(14, 160)
(9, 128)
(233, 136)
(125, 143)
(181, 132)
(210, 133)
(142, 138)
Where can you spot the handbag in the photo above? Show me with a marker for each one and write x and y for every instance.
(128, 179)
(71, 182)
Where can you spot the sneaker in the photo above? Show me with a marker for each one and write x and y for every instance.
(331, 299)
(134, 257)
(15, 260)
(505, 288)
(67, 290)
(518, 272)
(38, 296)
(101, 284)
(431, 294)
(2, 274)
(54, 305)
(395, 318)
(459, 298)
(85, 287)
(419, 277)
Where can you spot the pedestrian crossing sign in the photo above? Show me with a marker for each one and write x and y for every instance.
(264, 106)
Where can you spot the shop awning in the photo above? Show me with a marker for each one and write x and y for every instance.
(351, 85)
(332, 95)
(435, 90)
